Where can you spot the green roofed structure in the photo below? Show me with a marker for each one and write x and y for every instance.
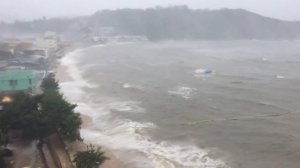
(19, 80)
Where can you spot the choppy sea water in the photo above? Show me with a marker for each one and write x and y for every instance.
(191, 104)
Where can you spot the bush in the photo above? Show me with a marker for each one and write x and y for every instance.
(91, 158)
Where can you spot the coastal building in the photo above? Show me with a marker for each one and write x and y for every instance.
(4, 55)
(50, 41)
(25, 45)
(47, 44)
(3, 65)
(35, 51)
(47, 47)
(18, 80)
(8, 47)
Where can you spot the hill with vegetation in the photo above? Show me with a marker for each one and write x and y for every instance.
(172, 23)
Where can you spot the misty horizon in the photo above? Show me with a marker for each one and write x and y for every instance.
(154, 7)
(170, 23)
(31, 10)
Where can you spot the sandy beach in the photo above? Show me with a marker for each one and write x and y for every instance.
(113, 162)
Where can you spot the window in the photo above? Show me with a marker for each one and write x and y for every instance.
(13, 82)
(30, 81)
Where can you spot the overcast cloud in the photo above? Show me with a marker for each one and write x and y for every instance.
(30, 9)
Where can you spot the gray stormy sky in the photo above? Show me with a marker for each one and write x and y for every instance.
(30, 9)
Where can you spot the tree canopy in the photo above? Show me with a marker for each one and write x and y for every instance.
(61, 116)
(50, 83)
(91, 158)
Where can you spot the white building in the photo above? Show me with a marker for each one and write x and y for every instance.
(47, 43)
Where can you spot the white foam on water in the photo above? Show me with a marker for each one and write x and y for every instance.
(126, 106)
(70, 61)
(128, 139)
(280, 77)
(129, 136)
(127, 85)
(183, 91)
(132, 86)
(183, 155)
(70, 90)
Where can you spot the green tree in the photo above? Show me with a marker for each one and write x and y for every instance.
(41, 116)
(22, 105)
(61, 115)
(69, 128)
(50, 83)
(91, 158)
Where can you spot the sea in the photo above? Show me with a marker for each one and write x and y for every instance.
(190, 104)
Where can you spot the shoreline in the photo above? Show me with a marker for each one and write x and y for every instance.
(62, 76)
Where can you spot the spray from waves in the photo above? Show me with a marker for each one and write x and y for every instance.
(126, 138)
(70, 61)
(183, 91)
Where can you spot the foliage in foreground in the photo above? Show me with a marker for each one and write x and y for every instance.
(38, 117)
(91, 158)
(42, 115)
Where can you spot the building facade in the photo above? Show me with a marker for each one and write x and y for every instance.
(18, 80)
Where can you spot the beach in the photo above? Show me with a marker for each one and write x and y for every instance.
(113, 162)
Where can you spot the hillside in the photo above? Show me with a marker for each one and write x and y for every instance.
(174, 23)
